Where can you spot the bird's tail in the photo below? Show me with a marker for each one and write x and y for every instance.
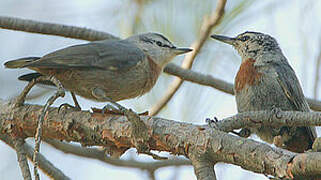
(31, 76)
(20, 63)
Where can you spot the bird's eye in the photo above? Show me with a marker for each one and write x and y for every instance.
(159, 43)
(244, 38)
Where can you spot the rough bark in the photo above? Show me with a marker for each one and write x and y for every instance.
(165, 135)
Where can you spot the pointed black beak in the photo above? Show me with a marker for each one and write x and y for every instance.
(179, 51)
(225, 39)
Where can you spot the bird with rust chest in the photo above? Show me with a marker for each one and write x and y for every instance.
(265, 81)
(107, 70)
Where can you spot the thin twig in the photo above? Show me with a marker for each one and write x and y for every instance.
(137, 16)
(47, 167)
(151, 175)
(60, 93)
(317, 74)
(201, 79)
(206, 28)
(100, 155)
(21, 155)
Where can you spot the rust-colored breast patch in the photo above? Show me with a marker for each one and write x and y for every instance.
(247, 75)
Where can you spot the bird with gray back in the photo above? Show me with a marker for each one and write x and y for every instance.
(107, 70)
(266, 81)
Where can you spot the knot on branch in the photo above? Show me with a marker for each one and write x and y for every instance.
(245, 133)
(212, 122)
(114, 151)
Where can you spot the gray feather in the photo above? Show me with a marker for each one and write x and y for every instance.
(289, 84)
(108, 55)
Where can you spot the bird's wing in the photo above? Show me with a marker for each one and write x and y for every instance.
(108, 54)
(291, 87)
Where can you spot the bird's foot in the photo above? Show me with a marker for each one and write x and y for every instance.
(245, 133)
(21, 98)
(139, 128)
(110, 109)
(212, 122)
(68, 106)
(145, 113)
(113, 108)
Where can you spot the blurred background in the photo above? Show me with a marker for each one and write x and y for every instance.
(295, 24)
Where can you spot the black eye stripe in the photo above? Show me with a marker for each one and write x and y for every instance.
(163, 37)
(165, 45)
(160, 44)
(244, 38)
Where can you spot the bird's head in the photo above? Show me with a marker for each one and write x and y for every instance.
(251, 44)
(158, 47)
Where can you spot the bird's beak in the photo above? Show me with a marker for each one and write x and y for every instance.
(179, 51)
(225, 39)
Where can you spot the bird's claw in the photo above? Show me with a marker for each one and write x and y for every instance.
(212, 122)
(245, 133)
(109, 109)
(145, 113)
(68, 106)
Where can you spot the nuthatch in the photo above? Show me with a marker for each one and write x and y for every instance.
(266, 81)
(108, 70)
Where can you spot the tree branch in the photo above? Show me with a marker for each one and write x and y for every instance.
(269, 118)
(201, 79)
(21, 155)
(53, 29)
(207, 25)
(165, 135)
